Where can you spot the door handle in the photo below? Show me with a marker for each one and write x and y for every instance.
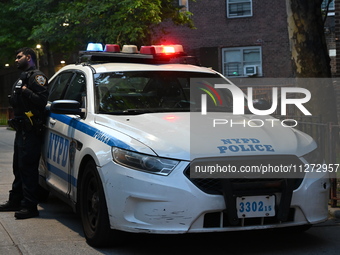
(52, 122)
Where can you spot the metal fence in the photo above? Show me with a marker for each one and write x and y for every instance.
(326, 136)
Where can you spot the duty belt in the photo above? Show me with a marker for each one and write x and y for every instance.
(19, 123)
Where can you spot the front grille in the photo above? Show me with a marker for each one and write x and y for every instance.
(231, 188)
(220, 220)
(242, 186)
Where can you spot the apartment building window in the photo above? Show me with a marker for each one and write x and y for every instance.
(185, 4)
(331, 7)
(242, 62)
(325, 3)
(239, 8)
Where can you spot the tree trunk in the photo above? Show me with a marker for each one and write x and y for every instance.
(310, 57)
(311, 63)
(49, 60)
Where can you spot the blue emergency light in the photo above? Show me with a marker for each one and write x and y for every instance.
(94, 47)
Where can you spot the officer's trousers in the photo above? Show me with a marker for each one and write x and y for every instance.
(27, 151)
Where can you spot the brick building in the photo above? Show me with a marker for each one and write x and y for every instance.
(337, 36)
(241, 38)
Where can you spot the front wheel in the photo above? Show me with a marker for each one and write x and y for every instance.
(93, 208)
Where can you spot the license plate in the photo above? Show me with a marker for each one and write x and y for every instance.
(255, 206)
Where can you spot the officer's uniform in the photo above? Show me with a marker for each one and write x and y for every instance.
(28, 106)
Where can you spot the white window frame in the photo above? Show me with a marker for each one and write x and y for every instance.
(233, 2)
(184, 3)
(242, 63)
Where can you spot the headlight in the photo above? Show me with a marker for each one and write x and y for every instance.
(143, 162)
(314, 157)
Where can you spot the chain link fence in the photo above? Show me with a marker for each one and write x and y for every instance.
(327, 137)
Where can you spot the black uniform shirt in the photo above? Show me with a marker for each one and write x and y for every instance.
(34, 97)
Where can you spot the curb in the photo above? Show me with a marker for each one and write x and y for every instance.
(334, 212)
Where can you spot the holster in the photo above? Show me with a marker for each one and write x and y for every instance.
(16, 124)
(20, 124)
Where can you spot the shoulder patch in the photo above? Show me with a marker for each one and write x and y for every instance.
(40, 79)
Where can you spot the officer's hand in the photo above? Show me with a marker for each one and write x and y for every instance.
(24, 87)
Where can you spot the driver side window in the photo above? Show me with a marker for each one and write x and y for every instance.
(58, 85)
(76, 90)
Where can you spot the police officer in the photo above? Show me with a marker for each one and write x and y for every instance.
(28, 99)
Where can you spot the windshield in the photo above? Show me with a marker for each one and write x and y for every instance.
(138, 92)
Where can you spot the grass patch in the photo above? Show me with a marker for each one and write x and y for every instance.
(3, 119)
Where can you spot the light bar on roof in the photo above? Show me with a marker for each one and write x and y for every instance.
(148, 50)
(154, 54)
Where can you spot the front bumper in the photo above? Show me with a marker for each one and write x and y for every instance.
(142, 202)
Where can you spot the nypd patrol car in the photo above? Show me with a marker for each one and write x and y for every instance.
(123, 148)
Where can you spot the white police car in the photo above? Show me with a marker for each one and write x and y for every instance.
(121, 143)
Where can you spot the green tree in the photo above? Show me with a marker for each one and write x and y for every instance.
(66, 26)
(14, 30)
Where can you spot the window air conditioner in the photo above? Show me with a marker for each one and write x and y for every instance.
(250, 70)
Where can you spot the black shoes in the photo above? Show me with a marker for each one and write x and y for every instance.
(26, 213)
(10, 206)
(20, 213)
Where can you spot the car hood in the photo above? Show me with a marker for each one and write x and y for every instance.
(187, 136)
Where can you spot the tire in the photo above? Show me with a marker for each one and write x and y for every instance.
(93, 208)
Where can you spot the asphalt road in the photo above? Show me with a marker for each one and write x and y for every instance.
(58, 231)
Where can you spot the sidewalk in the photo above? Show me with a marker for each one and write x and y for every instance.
(57, 230)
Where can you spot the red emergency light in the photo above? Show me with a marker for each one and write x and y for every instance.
(162, 49)
(149, 50)
(112, 48)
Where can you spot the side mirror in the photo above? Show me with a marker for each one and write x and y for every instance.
(67, 107)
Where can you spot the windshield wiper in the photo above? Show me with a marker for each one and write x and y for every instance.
(158, 110)
(213, 109)
(146, 110)
(129, 112)
(136, 111)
